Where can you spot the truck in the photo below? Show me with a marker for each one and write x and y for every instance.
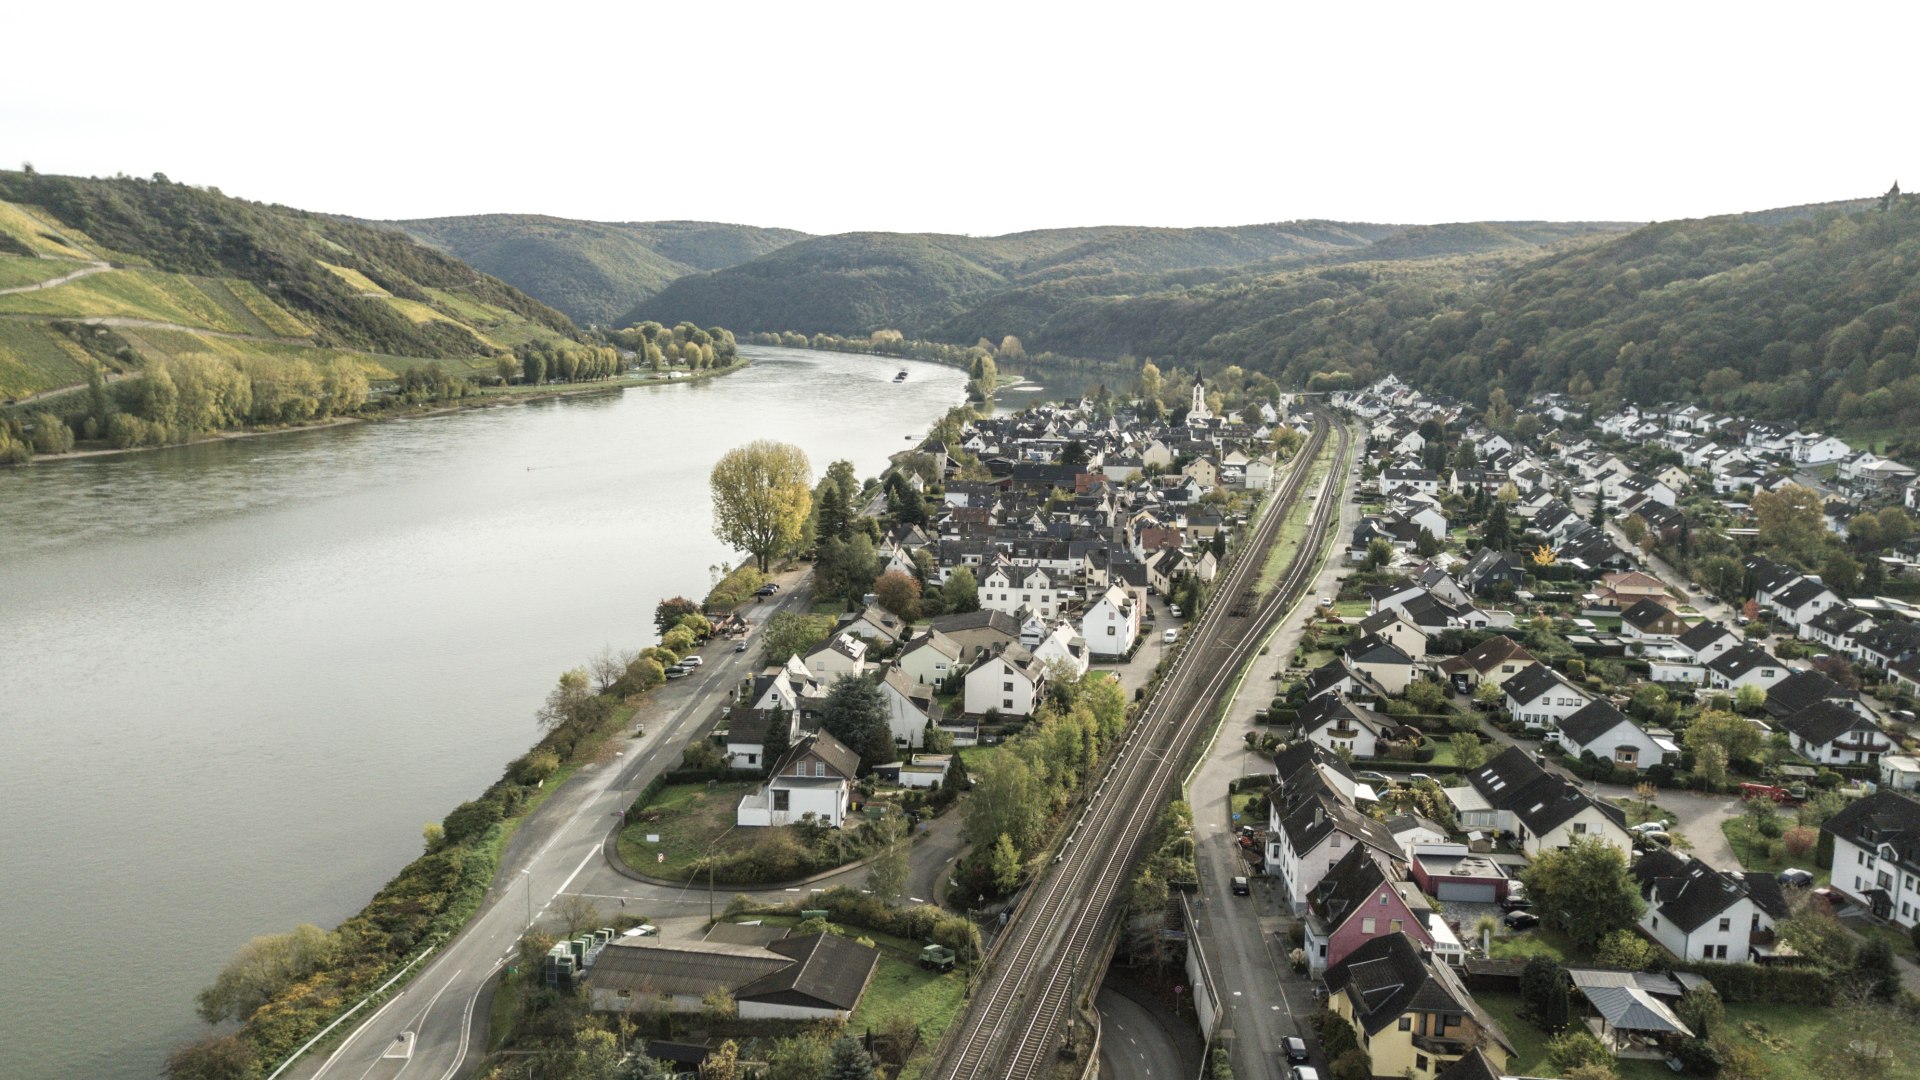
(1790, 795)
(936, 958)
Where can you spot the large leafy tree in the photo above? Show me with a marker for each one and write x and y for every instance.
(856, 714)
(1585, 889)
(762, 494)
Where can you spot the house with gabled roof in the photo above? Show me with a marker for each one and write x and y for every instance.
(1541, 697)
(1413, 1016)
(1338, 724)
(1831, 734)
(1747, 665)
(1798, 604)
(835, 658)
(930, 659)
(1706, 640)
(1316, 827)
(1808, 687)
(1008, 682)
(1876, 855)
(1494, 660)
(1649, 620)
(1608, 734)
(1542, 810)
(1362, 897)
(1838, 627)
(814, 778)
(1696, 912)
(1627, 587)
(1392, 624)
(1382, 661)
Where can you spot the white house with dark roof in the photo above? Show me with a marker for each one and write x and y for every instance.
(930, 659)
(1610, 735)
(1747, 665)
(838, 656)
(814, 778)
(1544, 811)
(1337, 724)
(1696, 912)
(1383, 662)
(1876, 855)
(1111, 622)
(1008, 682)
(1541, 697)
(1831, 734)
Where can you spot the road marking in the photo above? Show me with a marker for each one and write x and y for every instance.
(402, 1046)
(358, 1028)
(466, 1025)
(916, 900)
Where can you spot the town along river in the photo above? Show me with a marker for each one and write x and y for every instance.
(237, 677)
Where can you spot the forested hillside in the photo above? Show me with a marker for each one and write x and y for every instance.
(593, 271)
(853, 283)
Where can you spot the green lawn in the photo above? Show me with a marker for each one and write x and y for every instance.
(1539, 941)
(1351, 609)
(1529, 1042)
(1241, 802)
(1899, 940)
(902, 987)
(1752, 850)
(692, 817)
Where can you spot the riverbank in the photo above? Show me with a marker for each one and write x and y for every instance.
(482, 398)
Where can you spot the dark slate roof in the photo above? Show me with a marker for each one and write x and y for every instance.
(1380, 620)
(1767, 894)
(1533, 681)
(1801, 592)
(1823, 721)
(984, 619)
(1593, 721)
(1687, 894)
(1323, 812)
(1884, 817)
(1377, 650)
(1738, 661)
(1541, 800)
(1701, 635)
(1350, 884)
(1474, 1066)
(749, 725)
(1385, 978)
(1803, 689)
(1645, 614)
(827, 970)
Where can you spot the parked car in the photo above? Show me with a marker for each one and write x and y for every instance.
(739, 646)
(1646, 827)
(1173, 610)
(1295, 1048)
(1659, 837)
(1794, 876)
(1515, 902)
(1241, 887)
(766, 590)
(1372, 778)
(1521, 920)
(1420, 778)
(1170, 636)
(692, 661)
(1326, 601)
(676, 671)
(1305, 1072)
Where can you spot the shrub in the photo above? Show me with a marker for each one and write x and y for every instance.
(1799, 840)
(1352, 1065)
(1573, 1049)
(470, 819)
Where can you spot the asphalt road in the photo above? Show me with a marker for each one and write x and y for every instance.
(428, 1030)
(1262, 1000)
(1134, 1041)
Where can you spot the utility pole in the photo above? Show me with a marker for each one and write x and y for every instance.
(528, 874)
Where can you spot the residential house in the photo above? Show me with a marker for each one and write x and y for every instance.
(1831, 734)
(748, 730)
(835, 658)
(1383, 662)
(1008, 682)
(1607, 733)
(1494, 660)
(1649, 620)
(1333, 722)
(1392, 625)
(1111, 623)
(1362, 897)
(875, 625)
(1493, 573)
(978, 631)
(1696, 912)
(1541, 697)
(1746, 665)
(1876, 855)
(911, 707)
(1628, 587)
(1544, 811)
(930, 659)
(815, 778)
(1413, 1016)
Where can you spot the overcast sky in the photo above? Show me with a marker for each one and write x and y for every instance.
(977, 117)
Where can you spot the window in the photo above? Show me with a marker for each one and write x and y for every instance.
(1006, 688)
(1406, 1023)
(819, 768)
(1006, 703)
(1334, 840)
(1396, 926)
(1420, 1062)
(1383, 899)
(1366, 926)
(753, 759)
(780, 801)
(1579, 828)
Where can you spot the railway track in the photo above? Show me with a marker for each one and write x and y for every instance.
(1026, 1000)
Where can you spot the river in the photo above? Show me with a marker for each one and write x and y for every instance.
(238, 677)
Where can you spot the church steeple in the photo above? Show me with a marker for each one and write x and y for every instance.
(1198, 409)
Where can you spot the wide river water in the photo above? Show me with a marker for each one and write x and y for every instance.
(237, 677)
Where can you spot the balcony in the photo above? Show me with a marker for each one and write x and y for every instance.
(1440, 1045)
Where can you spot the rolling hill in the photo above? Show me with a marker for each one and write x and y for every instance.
(593, 271)
(1042, 285)
(122, 271)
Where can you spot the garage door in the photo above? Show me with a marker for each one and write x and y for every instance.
(1473, 894)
